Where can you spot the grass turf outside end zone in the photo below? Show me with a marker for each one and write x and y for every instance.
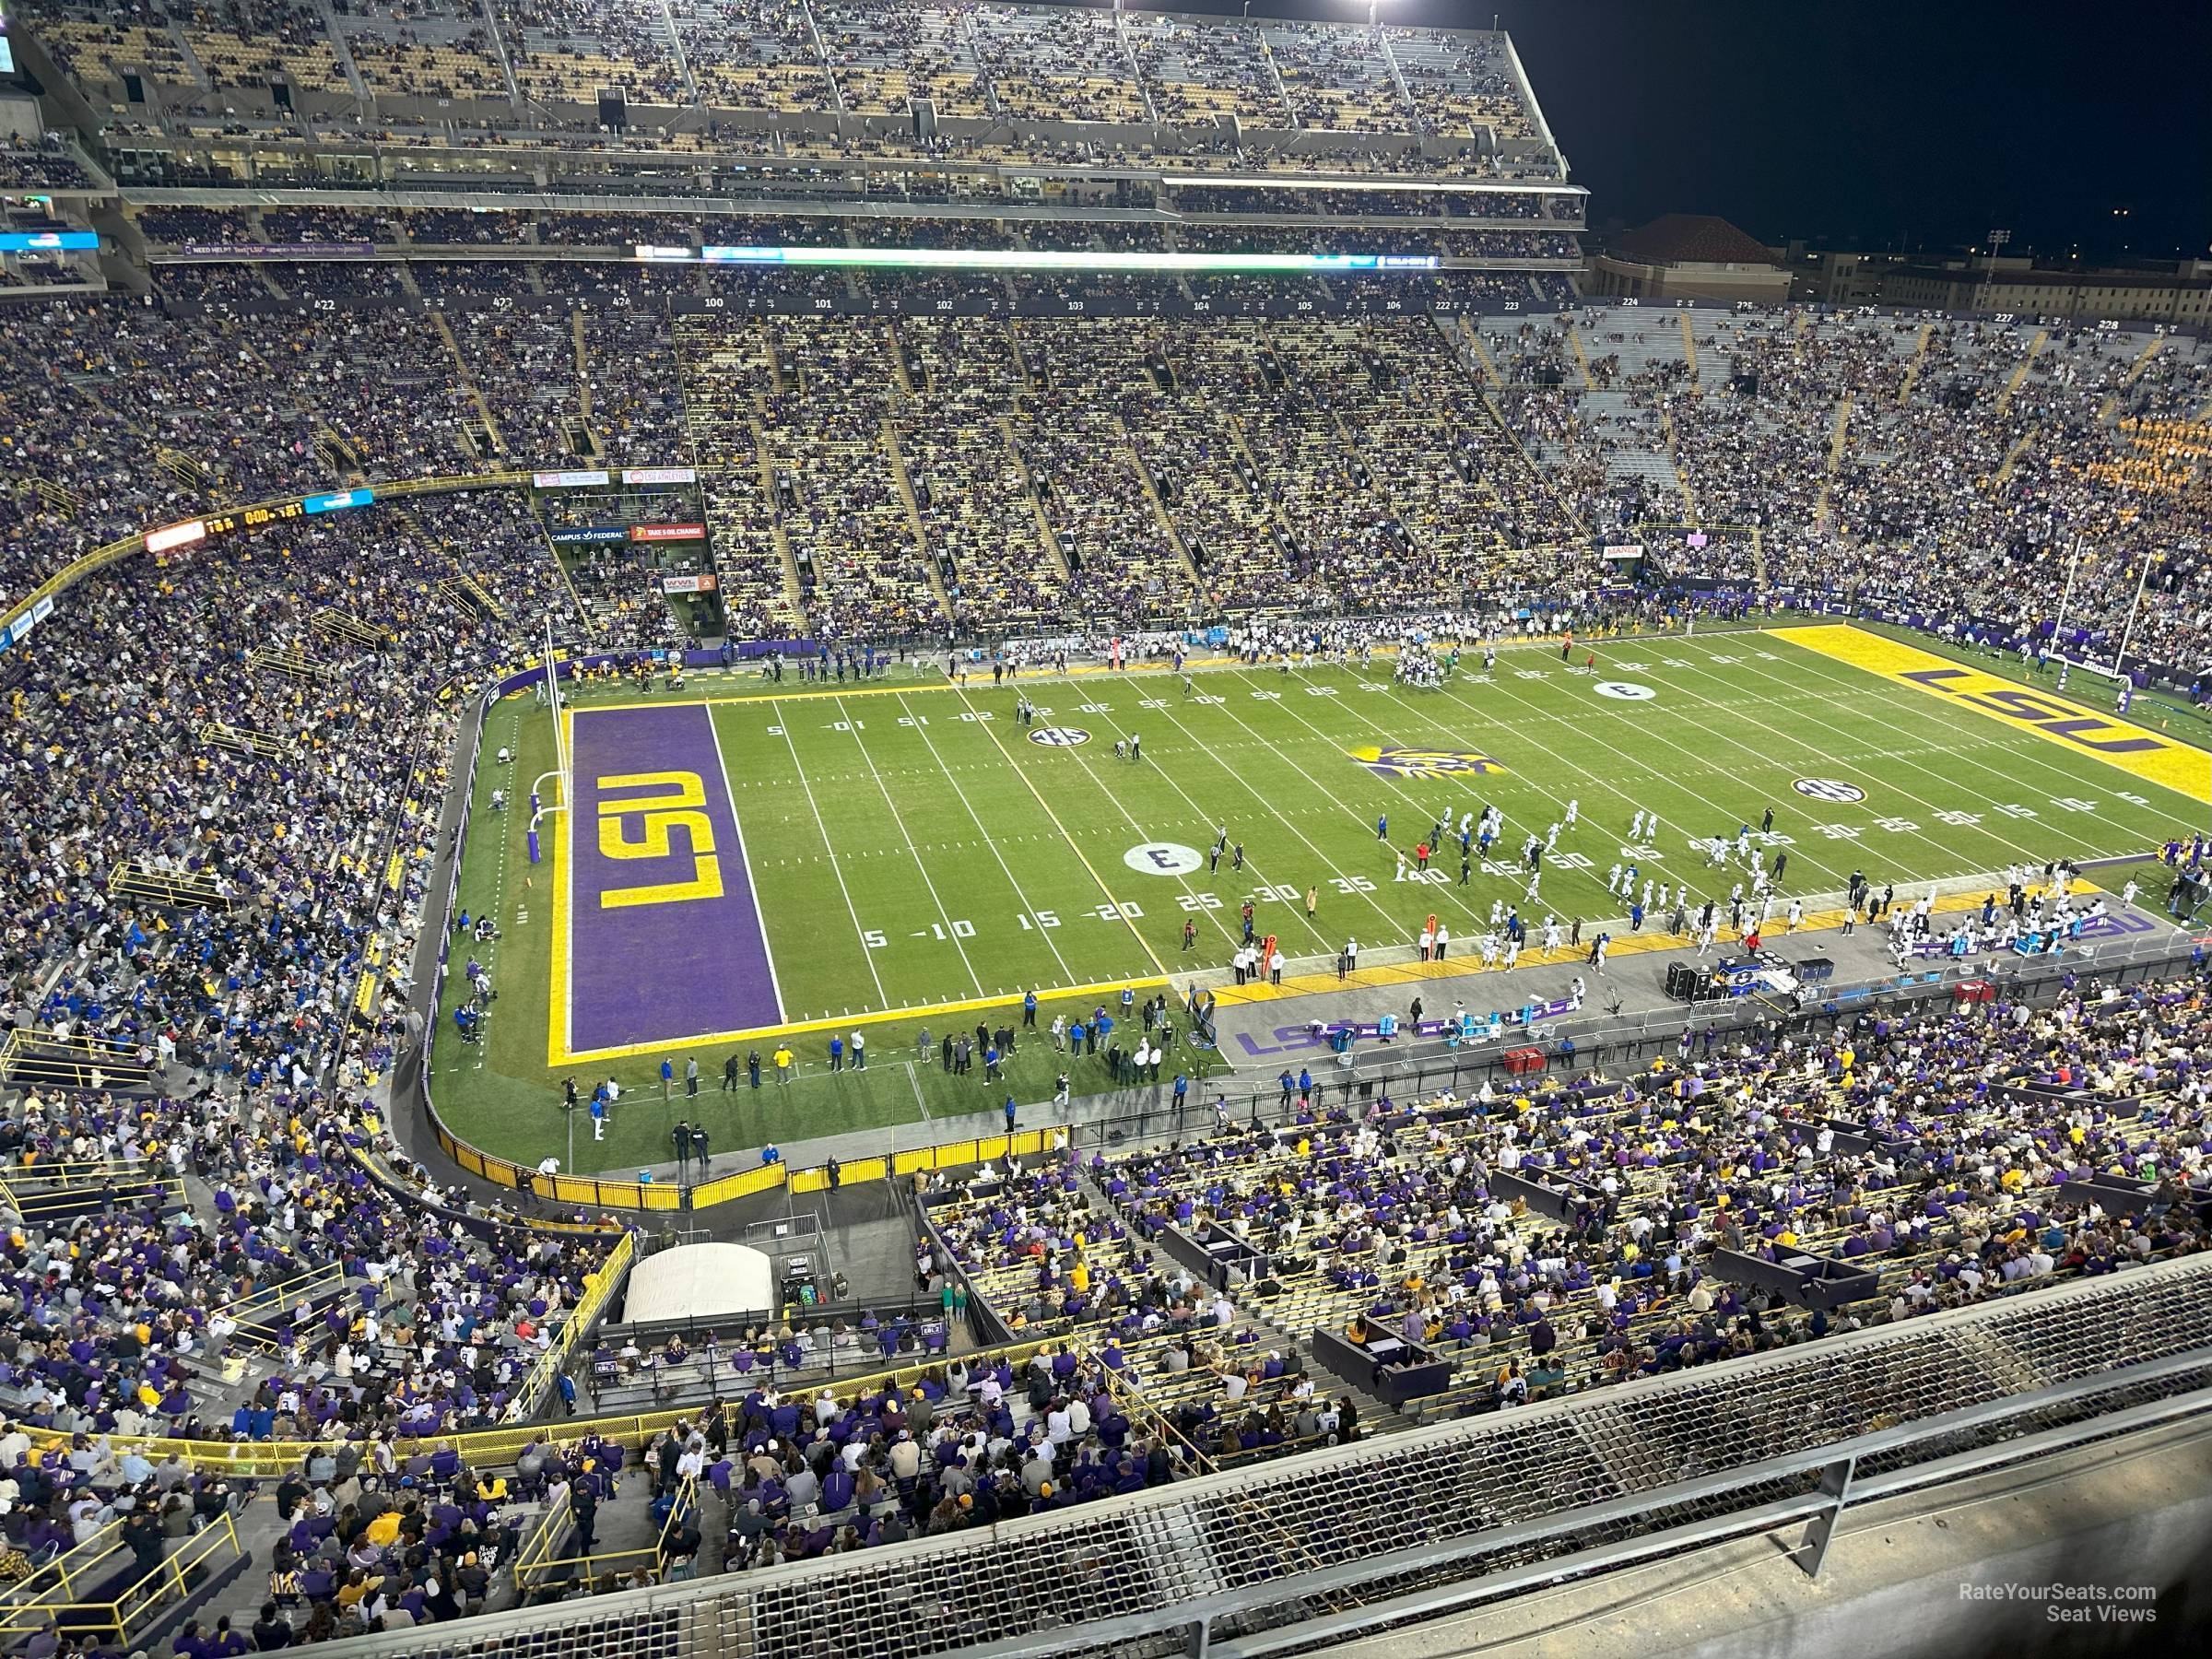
(934, 808)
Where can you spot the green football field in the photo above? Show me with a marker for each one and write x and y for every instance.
(915, 852)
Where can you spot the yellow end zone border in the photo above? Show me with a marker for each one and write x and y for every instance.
(844, 1021)
(2052, 716)
(558, 1051)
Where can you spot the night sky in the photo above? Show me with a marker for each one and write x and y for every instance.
(1917, 126)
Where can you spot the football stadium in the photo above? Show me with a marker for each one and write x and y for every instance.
(869, 827)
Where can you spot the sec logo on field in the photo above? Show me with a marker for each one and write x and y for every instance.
(1624, 690)
(1828, 789)
(1060, 736)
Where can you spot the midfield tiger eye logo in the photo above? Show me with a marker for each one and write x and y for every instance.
(1425, 762)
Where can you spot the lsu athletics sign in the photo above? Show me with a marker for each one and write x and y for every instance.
(1424, 762)
(2139, 753)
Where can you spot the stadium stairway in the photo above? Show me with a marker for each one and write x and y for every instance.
(1630, 454)
(1028, 488)
(1294, 1342)
(1823, 506)
(2019, 375)
(1159, 510)
(905, 485)
(1690, 501)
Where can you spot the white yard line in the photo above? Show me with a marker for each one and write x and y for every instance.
(1520, 734)
(845, 717)
(1745, 713)
(1400, 785)
(1068, 974)
(1143, 834)
(859, 932)
(1279, 816)
(1586, 734)
(1928, 713)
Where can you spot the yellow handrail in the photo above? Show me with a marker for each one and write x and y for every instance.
(247, 1313)
(599, 1287)
(114, 1623)
(495, 1447)
(532, 1569)
(63, 1574)
(85, 1168)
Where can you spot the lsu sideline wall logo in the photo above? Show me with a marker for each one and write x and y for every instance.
(2117, 743)
(1424, 762)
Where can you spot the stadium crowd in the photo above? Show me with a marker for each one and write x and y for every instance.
(226, 763)
(1165, 469)
(1931, 1147)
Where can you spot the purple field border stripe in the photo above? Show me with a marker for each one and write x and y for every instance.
(694, 959)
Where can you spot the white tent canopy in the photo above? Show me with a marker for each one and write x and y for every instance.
(700, 1281)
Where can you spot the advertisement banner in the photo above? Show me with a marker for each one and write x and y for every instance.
(660, 475)
(337, 501)
(584, 536)
(666, 532)
(309, 250)
(689, 584)
(47, 241)
(582, 479)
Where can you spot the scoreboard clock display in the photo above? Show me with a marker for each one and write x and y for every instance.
(167, 538)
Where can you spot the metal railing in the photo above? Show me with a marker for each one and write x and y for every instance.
(37, 1190)
(1412, 1523)
(30, 1605)
(40, 1059)
(263, 1317)
(599, 1287)
(119, 1621)
(537, 1567)
(701, 1378)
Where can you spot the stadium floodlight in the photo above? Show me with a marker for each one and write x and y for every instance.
(1998, 239)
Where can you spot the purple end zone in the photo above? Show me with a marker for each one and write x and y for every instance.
(664, 938)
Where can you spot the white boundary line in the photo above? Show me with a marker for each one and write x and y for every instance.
(752, 883)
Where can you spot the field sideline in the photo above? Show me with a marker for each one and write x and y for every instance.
(912, 854)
